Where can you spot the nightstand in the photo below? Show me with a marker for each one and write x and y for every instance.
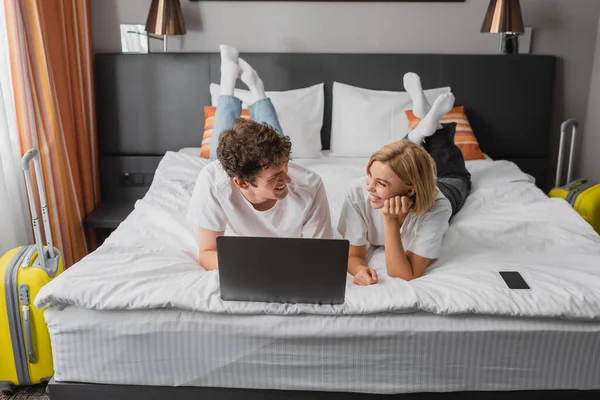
(107, 216)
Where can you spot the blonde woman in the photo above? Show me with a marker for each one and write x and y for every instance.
(413, 187)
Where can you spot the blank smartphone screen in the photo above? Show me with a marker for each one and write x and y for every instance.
(514, 280)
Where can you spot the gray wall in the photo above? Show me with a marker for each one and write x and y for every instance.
(565, 28)
(590, 145)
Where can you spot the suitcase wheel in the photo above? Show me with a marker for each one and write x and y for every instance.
(7, 388)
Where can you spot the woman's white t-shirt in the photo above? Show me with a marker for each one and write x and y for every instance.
(218, 205)
(362, 224)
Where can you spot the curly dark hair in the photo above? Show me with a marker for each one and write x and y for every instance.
(250, 147)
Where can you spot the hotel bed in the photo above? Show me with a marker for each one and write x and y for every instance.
(378, 352)
(138, 316)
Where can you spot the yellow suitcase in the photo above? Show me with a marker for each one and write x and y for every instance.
(26, 355)
(584, 196)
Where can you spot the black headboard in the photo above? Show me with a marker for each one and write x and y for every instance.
(151, 103)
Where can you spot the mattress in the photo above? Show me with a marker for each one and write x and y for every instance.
(383, 353)
(506, 224)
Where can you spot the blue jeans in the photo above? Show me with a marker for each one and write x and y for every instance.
(230, 108)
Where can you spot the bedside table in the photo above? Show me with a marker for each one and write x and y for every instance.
(107, 216)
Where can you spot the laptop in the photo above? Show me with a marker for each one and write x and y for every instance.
(282, 270)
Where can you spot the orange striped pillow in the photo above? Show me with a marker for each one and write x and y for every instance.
(209, 118)
(464, 138)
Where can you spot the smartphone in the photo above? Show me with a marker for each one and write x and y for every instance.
(514, 280)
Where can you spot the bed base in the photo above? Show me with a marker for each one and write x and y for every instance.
(89, 391)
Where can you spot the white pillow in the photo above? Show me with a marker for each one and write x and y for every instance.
(365, 120)
(300, 113)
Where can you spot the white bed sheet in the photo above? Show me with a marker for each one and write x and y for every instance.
(150, 261)
(381, 353)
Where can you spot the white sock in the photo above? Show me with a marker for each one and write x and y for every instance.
(429, 124)
(412, 84)
(230, 70)
(252, 80)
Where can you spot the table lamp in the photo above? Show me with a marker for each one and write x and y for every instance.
(165, 19)
(504, 16)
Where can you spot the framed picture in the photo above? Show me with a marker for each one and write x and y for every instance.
(388, 1)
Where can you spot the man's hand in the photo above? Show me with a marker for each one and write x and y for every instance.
(365, 277)
(397, 208)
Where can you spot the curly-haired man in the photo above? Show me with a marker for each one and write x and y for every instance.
(253, 189)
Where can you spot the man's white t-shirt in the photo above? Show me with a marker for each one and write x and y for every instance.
(362, 224)
(218, 205)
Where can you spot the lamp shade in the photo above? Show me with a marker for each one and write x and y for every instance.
(165, 18)
(503, 16)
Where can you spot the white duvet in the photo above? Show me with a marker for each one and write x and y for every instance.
(150, 261)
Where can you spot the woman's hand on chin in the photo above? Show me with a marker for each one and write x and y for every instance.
(397, 208)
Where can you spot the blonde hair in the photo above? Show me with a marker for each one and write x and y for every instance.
(414, 166)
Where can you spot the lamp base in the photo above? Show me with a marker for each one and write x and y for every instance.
(509, 43)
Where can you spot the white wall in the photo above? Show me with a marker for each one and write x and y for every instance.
(590, 142)
(564, 28)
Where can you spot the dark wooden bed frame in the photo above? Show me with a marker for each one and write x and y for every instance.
(72, 391)
(150, 104)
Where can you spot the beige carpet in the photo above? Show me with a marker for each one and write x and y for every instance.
(31, 392)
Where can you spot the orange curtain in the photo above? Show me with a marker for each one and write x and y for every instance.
(51, 67)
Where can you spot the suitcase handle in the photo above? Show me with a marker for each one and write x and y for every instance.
(573, 123)
(28, 337)
(573, 184)
(34, 155)
(24, 301)
(28, 157)
(577, 190)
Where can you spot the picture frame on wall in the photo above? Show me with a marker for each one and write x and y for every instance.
(387, 1)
